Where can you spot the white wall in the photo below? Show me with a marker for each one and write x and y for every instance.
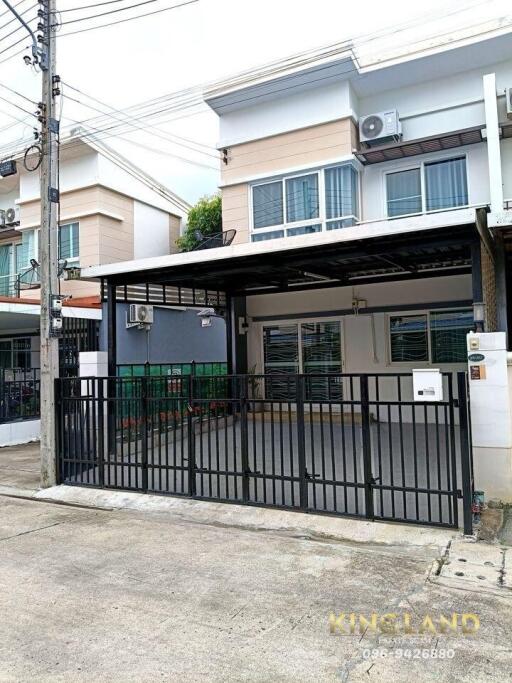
(438, 105)
(80, 171)
(359, 353)
(297, 110)
(15, 433)
(111, 175)
(151, 231)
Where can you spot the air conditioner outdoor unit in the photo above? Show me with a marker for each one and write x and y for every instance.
(377, 128)
(141, 314)
(508, 94)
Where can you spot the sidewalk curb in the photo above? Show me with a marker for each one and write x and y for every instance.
(314, 526)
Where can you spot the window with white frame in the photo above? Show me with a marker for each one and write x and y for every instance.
(26, 250)
(302, 204)
(431, 337)
(69, 248)
(430, 186)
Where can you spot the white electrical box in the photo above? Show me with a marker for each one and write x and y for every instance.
(427, 384)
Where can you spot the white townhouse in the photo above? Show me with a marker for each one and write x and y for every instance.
(365, 203)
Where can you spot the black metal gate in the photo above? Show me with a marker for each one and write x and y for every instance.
(349, 444)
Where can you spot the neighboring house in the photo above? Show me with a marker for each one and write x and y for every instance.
(110, 211)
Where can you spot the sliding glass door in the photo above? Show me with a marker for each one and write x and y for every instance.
(308, 347)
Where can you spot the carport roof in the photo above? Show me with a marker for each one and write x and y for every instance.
(326, 263)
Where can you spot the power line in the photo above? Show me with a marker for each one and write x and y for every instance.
(13, 104)
(15, 92)
(22, 14)
(141, 128)
(122, 21)
(165, 135)
(16, 54)
(112, 11)
(97, 4)
(21, 40)
(8, 11)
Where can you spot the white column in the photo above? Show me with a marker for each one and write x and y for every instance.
(497, 216)
(491, 414)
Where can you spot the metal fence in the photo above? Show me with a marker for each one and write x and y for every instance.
(19, 394)
(341, 444)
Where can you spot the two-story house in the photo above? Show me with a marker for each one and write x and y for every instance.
(364, 205)
(394, 153)
(110, 211)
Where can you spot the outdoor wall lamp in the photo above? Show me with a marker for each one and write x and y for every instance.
(479, 315)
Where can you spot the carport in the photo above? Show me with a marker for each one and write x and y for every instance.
(339, 443)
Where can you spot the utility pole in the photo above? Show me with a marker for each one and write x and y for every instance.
(44, 57)
(51, 321)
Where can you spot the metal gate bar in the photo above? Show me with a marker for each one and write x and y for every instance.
(347, 444)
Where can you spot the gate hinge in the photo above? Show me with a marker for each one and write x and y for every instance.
(459, 493)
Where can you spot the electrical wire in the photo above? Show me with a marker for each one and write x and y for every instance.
(22, 14)
(13, 104)
(163, 135)
(19, 94)
(97, 4)
(115, 11)
(16, 54)
(122, 21)
(8, 11)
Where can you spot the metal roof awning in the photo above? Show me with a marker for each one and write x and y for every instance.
(411, 148)
(394, 257)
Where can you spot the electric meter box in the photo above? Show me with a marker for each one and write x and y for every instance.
(427, 384)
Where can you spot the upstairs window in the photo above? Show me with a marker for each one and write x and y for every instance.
(404, 192)
(300, 205)
(302, 198)
(267, 204)
(446, 184)
(432, 186)
(69, 242)
(340, 196)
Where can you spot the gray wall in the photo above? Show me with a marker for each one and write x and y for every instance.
(175, 337)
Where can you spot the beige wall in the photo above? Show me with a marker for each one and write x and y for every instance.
(274, 155)
(174, 233)
(278, 153)
(235, 211)
(106, 221)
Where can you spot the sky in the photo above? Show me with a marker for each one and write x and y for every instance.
(189, 46)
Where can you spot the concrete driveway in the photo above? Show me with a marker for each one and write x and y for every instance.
(102, 595)
(20, 467)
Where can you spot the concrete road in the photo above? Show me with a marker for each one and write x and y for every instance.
(98, 596)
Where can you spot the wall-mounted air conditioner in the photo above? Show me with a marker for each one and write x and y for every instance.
(140, 314)
(380, 128)
(508, 95)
